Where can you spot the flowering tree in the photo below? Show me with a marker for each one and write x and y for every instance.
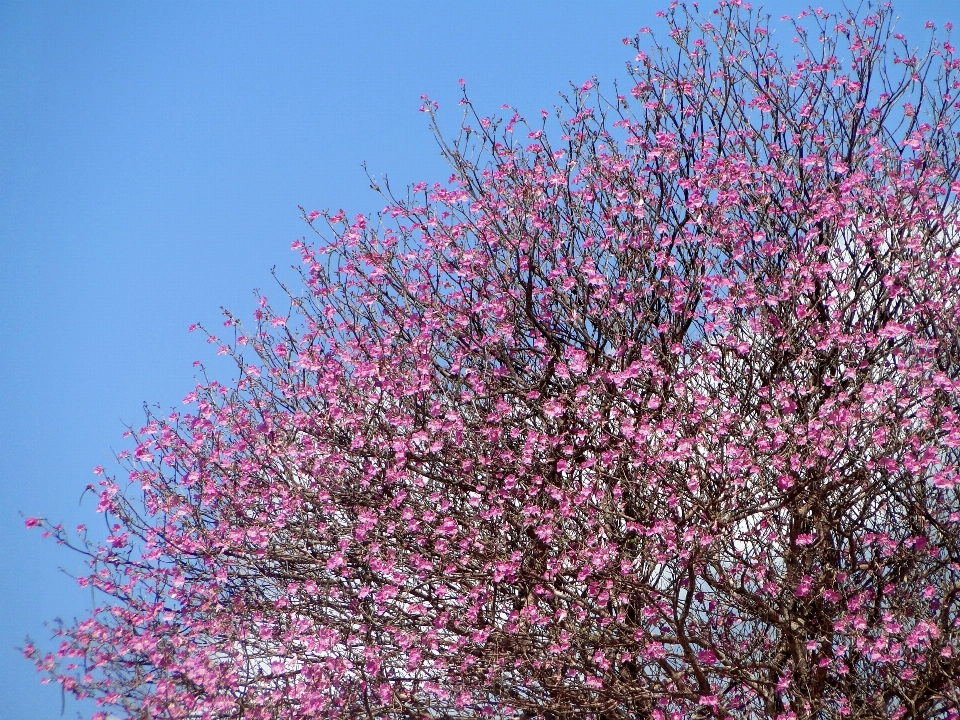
(657, 419)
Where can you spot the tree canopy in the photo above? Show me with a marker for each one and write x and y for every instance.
(651, 411)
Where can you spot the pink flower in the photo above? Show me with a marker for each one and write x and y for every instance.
(707, 657)
(655, 651)
(448, 527)
(553, 409)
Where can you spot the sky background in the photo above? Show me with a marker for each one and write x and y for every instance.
(152, 158)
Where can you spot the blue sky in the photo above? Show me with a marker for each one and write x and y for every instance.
(152, 158)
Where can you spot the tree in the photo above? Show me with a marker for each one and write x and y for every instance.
(657, 419)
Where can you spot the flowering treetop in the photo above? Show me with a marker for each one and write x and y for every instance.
(652, 415)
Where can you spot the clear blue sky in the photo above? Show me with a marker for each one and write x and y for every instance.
(152, 158)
